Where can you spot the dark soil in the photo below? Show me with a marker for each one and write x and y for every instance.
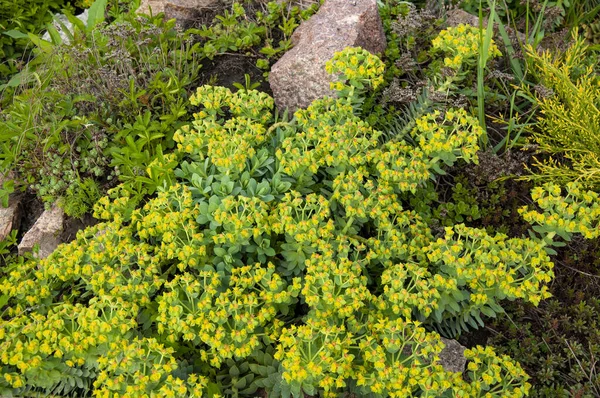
(72, 225)
(32, 209)
(232, 68)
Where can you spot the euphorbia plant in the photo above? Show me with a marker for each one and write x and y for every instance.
(272, 236)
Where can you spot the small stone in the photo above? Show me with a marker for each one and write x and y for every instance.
(153, 7)
(452, 357)
(299, 77)
(184, 11)
(45, 233)
(456, 16)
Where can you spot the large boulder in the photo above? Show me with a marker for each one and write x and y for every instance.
(45, 232)
(184, 11)
(299, 77)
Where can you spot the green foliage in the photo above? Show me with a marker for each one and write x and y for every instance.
(558, 343)
(279, 254)
(264, 35)
(430, 68)
(16, 19)
(109, 114)
(80, 197)
(569, 119)
(105, 105)
(463, 207)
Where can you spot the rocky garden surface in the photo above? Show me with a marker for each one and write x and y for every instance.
(299, 198)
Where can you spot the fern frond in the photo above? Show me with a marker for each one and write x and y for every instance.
(399, 127)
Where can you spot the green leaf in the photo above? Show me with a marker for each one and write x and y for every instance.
(16, 34)
(54, 35)
(487, 311)
(96, 14)
(240, 384)
(3, 300)
(43, 45)
(76, 22)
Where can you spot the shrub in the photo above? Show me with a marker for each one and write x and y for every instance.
(569, 121)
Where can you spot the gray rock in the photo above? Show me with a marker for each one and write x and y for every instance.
(184, 11)
(45, 232)
(452, 356)
(151, 7)
(456, 16)
(10, 217)
(299, 77)
(83, 17)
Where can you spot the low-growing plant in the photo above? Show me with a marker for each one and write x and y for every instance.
(107, 115)
(264, 35)
(275, 245)
(16, 19)
(558, 343)
(105, 105)
(569, 120)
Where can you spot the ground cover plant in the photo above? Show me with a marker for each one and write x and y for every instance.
(104, 105)
(283, 255)
(244, 252)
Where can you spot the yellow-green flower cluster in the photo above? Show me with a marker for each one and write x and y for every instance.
(228, 319)
(241, 218)
(461, 44)
(400, 165)
(410, 287)
(71, 336)
(330, 136)
(493, 376)
(231, 143)
(489, 268)
(305, 219)
(356, 67)
(399, 360)
(576, 212)
(334, 285)
(143, 368)
(456, 136)
(405, 167)
(212, 98)
(316, 355)
(228, 145)
(251, 104)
